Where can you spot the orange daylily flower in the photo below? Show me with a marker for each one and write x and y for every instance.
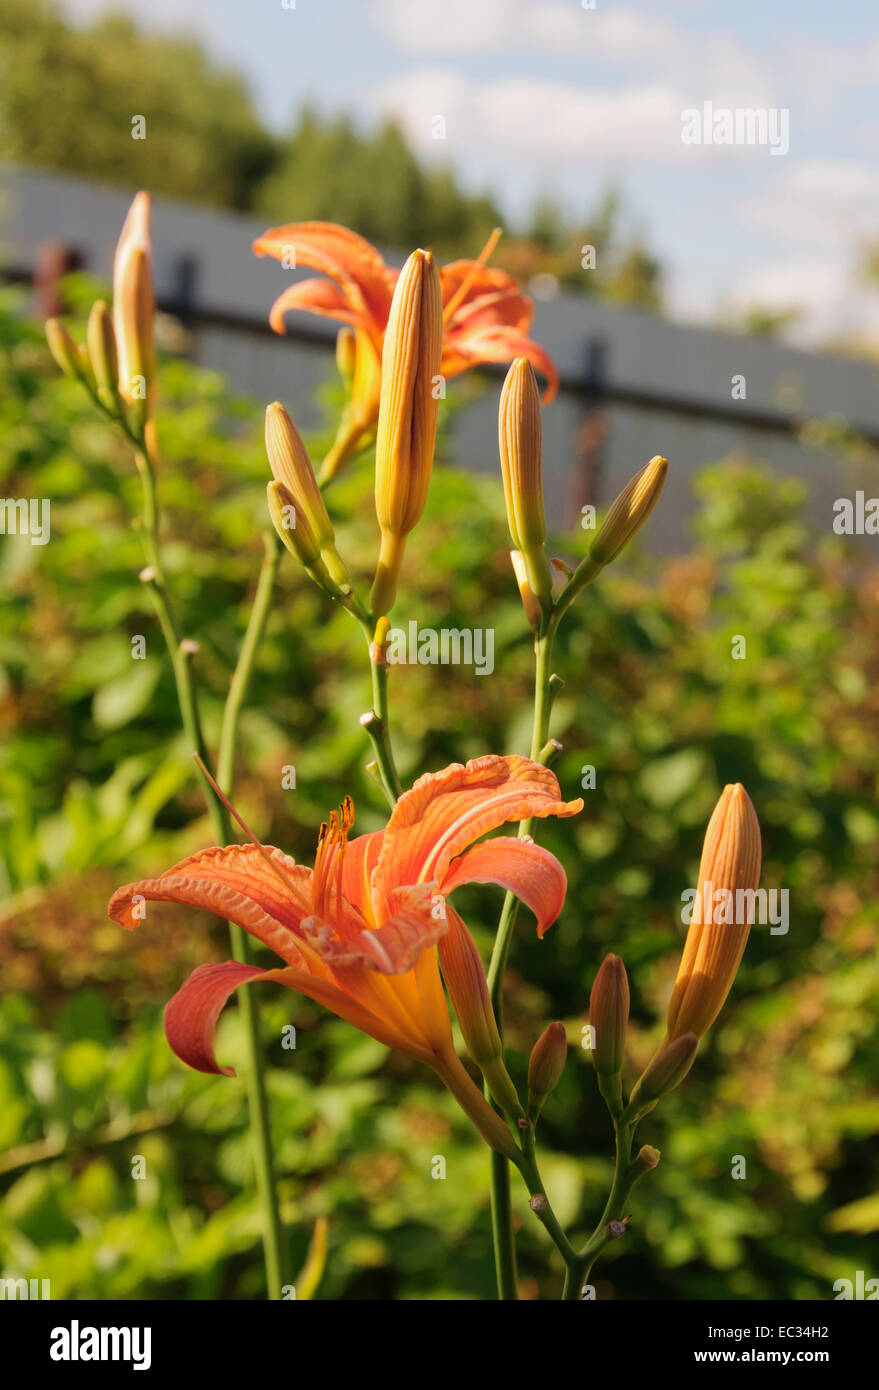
(486, 316)
(356, 932)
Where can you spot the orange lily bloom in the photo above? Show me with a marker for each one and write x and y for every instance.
(356, 932)
(486, 317)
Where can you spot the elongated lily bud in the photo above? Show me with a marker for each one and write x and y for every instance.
(609, 1015)
(297, 501)
(723, 911)
(609, 1018)
(468, 990)
(629, 512)
(520, 445)
(134, 307)
(101, 342)
(290, 465)
(64, 350)
(547, 1063)
(407, 416)
(665, 1072)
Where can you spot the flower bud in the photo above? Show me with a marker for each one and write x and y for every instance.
(547, 1063)
(609, 1015)
(296, 534)
(101, 342)
(407, 416)
(468, 990)
(723, 911)
(520, 445)
(664, 1073)
(308, 531)
(134, 307)
(629, 512)
(647, 1157)
(64, 350)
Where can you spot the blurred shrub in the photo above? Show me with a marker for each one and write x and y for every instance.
(95, 787)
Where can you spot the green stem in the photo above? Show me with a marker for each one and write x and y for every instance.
(180, 653)
(626, 1174)
(502, 1238)
(376, 721)
(501, 1203)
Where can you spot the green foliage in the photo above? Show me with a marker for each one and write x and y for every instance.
(68, 96)
(96, 788)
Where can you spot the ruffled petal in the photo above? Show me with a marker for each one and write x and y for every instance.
(235, 883)
(366, 282)
(391, 949)
(502, 308)
(191, 1015)
(447, 811)
(499, 344)
(532, 873)
(481, 281)
(313, 297)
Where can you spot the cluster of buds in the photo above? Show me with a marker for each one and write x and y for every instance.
(730, 867)
(404, 393)
(117, 363)
(519, 439)
(297, 507)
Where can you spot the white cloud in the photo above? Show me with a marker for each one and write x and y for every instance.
(823, 203)
(715, 66)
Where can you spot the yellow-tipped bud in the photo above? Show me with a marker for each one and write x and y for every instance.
(64, 350)
(468, 990)
(629, 512)
(407, 416)
(609, 1016)
(134, 307)
(520, 445)
(723, 911)
(546, 1065)
(101, 342)
(665, 1072)
(290, 465)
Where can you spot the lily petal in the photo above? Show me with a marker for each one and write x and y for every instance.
(235, 883)
(447, 811)
(191, 1014)
(313, 297)
(501, 344)
(532, 873)
(366, 282)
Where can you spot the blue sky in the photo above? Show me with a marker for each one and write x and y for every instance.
(546, 97)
